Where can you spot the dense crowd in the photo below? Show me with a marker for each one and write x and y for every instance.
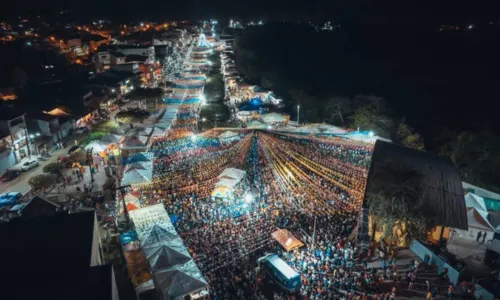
(294, 181)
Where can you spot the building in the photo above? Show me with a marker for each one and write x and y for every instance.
(57, 257)
(436, 180)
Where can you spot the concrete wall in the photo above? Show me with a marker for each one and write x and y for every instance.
(97, 258)
(7, 160)
(421, 250)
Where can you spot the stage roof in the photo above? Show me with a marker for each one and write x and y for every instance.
(442, 187)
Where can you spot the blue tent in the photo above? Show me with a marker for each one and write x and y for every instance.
(251, 105)
(128, 237)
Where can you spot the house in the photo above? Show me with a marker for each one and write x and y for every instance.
(148, 51)
(131, 67)
(38, 207)
(119, 82)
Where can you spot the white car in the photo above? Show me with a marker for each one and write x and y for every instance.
(29, 164)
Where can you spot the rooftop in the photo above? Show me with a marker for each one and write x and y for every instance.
(441, 183)
(48, 244)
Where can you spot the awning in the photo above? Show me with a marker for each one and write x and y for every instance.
(286, 239)
(221, 192)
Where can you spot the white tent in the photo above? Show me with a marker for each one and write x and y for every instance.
(96, 146)
(136, 176)
(254, 124)
(180, 281)
(111, 138)
(167, 255)
(273, 118)
(146, 218)
(233, 173)
(478, 220)
(228, 135)
(474, 201)
(227, 183)
(139, 165)
(159, 233)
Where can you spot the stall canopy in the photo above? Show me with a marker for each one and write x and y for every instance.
(111, 138)
(221, 192)
(180, 281)
(174, 271)
(136, 176)
(227, 183)
(286, 239)
(254, 124)
(96, 146)
(233, 173)
(475, 201)
(228, 135)
(168, 255)
(157, 234)
(273, 118)
(138, 157)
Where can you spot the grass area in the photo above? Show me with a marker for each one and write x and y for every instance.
(98, 131)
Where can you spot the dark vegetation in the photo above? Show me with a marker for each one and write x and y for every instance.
(421, 87)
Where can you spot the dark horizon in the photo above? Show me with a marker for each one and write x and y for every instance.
(371, 11)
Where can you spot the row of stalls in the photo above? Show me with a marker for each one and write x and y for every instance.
(174, 274)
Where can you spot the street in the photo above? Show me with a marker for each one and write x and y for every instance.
(21, 184)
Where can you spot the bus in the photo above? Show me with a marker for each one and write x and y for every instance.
(280, 271)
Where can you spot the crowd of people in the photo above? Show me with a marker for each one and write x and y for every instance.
(300, 184)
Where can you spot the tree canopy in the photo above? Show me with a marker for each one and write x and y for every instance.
(397, 205)
(42, 180)
(134, 115)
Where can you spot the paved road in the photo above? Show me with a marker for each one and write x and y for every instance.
(21, 184)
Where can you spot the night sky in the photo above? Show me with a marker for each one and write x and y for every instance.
(359, 10)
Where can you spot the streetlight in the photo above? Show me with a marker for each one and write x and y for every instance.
(298, 114)
(371, 134)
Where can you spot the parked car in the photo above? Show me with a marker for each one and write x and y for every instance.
(10, 175)
(9, 199)
(29, 164)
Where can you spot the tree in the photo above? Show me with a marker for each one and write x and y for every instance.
(42, 180)
(146, 94)
(108, 127)
(77, 157)
(214, 88)
(54, 168)
(336, 110)
(396, 203)
(132, 116)
(406, 136)
(477, 156)
(94, 136)
(372, 113)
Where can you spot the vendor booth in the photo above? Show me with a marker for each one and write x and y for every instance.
(286, 239)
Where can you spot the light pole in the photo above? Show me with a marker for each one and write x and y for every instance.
(298, 114)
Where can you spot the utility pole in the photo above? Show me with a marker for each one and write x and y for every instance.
(298, 115)
(27, 141)
(314, 232)
(90, 161)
